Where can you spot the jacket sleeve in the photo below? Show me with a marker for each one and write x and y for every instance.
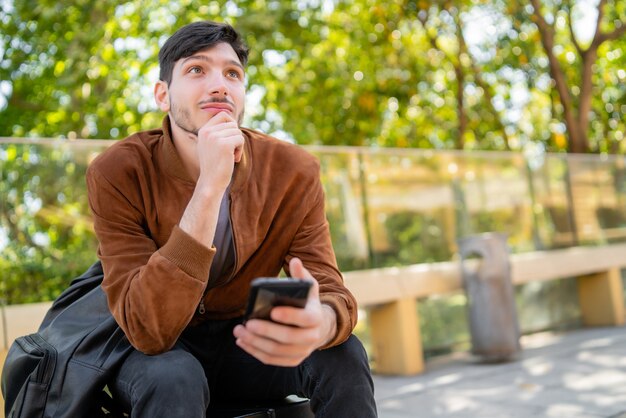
(312, 244)
(152, 292)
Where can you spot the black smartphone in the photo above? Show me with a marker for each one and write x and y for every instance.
(268, 292)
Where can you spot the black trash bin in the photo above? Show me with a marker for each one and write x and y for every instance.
(486, 272)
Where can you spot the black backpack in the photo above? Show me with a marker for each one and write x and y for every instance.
(60, 370)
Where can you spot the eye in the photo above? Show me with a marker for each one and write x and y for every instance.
(234, 74)
(195, 70)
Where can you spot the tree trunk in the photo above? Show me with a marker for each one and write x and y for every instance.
(577, 122)
(460, 105)
(556, 72)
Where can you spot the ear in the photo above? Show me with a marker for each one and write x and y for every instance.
(162, 96)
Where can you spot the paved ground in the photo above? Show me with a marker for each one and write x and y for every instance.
(572, 375)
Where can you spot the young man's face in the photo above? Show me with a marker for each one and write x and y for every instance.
(204, 84)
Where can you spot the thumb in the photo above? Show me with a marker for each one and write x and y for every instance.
(298, 271)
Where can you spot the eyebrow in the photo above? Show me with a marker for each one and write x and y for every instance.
(209, 60)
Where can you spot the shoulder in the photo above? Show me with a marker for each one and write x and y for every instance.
(284, 170)
(130, 155)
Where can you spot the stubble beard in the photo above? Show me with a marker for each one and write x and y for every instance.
(182, 118)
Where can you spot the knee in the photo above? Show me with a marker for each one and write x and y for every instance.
(174, 374)
(327, 372)
(351, 353)
(349, 357)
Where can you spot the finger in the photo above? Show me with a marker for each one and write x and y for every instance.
(268, 358)
(224, 133)
(221, 130)
(219, 121)
(268, 330)
(272, 339)
(221, 117)
(297, 269)
(227, 138)
(271, 352)
(296, 318)
(288, 340)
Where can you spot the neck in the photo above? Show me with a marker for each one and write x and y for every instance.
(185, 143)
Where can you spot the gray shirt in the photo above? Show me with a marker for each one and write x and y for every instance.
(224, 259)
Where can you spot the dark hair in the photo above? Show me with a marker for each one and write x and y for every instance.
(195, 37)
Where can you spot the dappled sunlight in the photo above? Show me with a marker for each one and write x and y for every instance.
(447, 379)
(605, 401)
(538, 366)
(597, 343)
(488, 391)
(458, 403)
(567, 375)
(564, 410)
(527, 390)
(600, 359)
(410, 388)
(540, 339)
(591, 381)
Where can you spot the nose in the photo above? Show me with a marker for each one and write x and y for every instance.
(216, 85)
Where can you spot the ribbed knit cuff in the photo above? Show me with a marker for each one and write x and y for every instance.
(189, 254)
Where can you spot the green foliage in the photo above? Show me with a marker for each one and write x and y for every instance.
(49, 237)
(446, 327)
(414, 237)
(361, 72)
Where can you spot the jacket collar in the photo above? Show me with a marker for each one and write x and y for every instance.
(175, 167)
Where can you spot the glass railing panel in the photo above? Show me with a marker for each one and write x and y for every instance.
(342, 180)
(410, 207)
(494, 197)
(548, 189)
(597, 198)
(547, 305)
(385, 208)
(580, 200)
(46, 233)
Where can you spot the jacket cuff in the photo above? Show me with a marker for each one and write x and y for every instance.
(344, 322)
(188, 254)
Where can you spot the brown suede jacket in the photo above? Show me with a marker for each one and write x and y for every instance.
(155, 274)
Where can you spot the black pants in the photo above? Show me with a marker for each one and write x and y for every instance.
(206, 363)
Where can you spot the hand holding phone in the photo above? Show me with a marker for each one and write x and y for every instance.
(267, 293)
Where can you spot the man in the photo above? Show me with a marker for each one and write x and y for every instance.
(186, 216)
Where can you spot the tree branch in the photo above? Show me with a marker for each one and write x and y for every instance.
(595, 43)
(547, 40)
(24, 237)
(460, 77)
(541, 22)
(423, 18)
(589, 57)
(570, 26)
(614, 34)
(483, 85)
(600, 37)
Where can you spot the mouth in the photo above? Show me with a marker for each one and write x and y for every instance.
(217, 107)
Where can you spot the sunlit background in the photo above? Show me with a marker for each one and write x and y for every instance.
(415, 84)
